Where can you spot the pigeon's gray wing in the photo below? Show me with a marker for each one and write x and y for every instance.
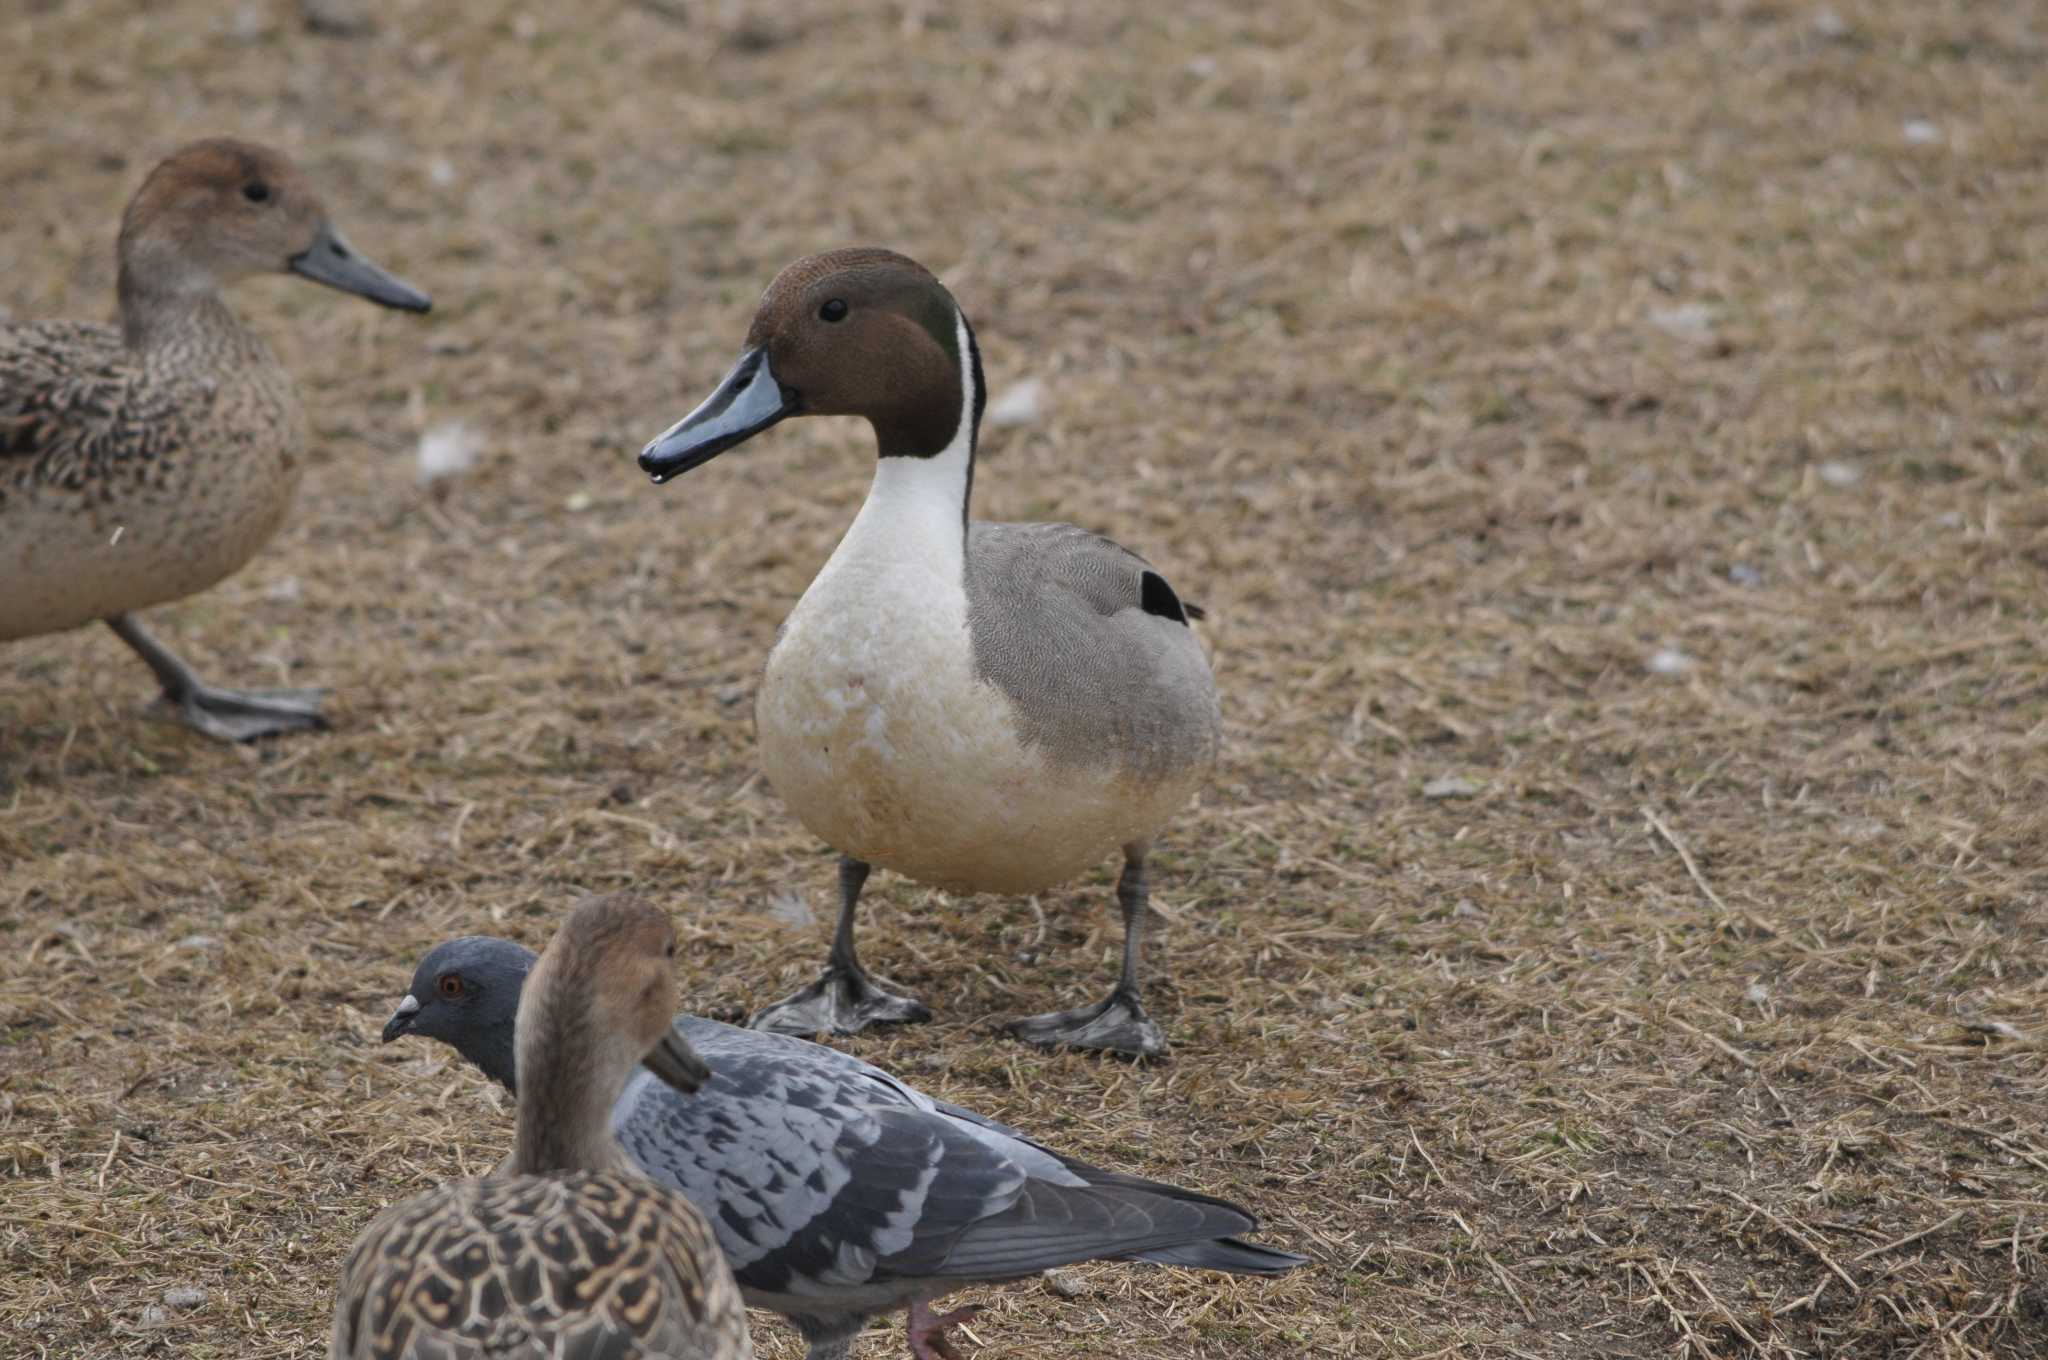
(1194, 1238)
(1227, 1254)
(1230, 1255)
(1072, 1170)
(783, 1150)
(821, 1174)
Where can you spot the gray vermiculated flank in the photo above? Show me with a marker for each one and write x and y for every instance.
(1057, 622)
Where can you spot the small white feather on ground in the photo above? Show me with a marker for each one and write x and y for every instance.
(447, 449)
(1020, 404)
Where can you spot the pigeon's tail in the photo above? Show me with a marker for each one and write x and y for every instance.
(1231, 1255)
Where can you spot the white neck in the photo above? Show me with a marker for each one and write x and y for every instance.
(916, 510)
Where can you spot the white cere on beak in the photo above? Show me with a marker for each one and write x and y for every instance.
(407, 1006)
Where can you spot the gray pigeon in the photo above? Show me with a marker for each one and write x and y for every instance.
(836, 1191)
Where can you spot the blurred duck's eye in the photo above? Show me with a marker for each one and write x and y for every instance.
(835, 310)
(451, 984)
(256, 191)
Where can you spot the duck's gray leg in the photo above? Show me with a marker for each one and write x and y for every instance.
(1117, 1024)
(223, 714)
(844, 999)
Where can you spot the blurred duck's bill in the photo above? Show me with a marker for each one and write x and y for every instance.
(676, 1062)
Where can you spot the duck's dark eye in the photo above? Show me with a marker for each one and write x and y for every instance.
(451, 984)
(835, 310)
(256, 191)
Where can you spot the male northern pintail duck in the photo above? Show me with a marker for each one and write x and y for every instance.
(982, 707)
(145, 462)
(836, 1191)
(568, 1250)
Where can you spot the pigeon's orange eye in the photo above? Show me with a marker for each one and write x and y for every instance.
(451, 984)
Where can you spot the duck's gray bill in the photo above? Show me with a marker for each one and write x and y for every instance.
(401, 1019)
(333, 261)
(676, 1062)
(746, 403)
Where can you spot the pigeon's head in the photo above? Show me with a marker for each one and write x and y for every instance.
(466, 994)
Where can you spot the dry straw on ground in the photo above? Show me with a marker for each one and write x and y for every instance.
(1461, 359)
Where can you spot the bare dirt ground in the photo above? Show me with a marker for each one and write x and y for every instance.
(1608, 442)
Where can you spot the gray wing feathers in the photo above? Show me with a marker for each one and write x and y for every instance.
(819, 1173)
(812, 1166)
(1052, 1225)
(1228, 1255)
(761, 1148)
(1058, 622)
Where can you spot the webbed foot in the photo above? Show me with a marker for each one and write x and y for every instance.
(1117, 1024)
(223, 714)
(245, 714)
(844, 1000)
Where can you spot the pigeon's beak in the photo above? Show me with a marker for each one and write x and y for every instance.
(676, 1062)
(401, 1019)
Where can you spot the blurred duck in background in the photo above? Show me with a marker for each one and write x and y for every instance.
(145, 462)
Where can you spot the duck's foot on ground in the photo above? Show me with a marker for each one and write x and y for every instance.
(1117, 1024)
(844, 1000)
(245, 714)
(928, 1331)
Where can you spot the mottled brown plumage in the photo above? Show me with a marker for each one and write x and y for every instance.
(567, 1252)
(146, 462)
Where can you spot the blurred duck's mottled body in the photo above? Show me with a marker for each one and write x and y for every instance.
(146, 462)
(138, 474)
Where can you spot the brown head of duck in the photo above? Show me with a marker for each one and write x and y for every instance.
(220, 210)
(861, 332)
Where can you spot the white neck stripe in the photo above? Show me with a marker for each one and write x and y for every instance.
(916, 510)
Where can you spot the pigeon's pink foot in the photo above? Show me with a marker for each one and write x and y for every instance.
(928, 1331)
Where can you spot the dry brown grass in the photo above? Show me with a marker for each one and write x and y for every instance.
(1710, 1026)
